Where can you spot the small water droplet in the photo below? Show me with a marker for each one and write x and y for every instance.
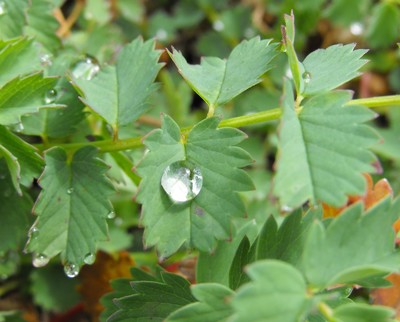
(182, 181)
(307, 77)
(3, 8)
(86, 69)
(289, 73)
(40, 260)
(218, 25)
(89, 259)
(71, 270)
(45, 60)
(286, 208)
(111, 215)
(33, 232)
(357, 28)
(19, 127)
(50, 96)
(70, 191)
(161, 34)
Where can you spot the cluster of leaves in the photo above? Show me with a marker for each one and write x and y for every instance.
(64, 116)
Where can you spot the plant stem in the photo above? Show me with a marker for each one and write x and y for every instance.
(73, 17)
(240, 121)
(326, 311)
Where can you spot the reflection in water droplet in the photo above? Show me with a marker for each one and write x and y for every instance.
(356, 28)
(45, 60)
(182, 181)
(3, 8)
(86, 69)
(89, 259)
(307, 77)
(161, 34)
(40, 260)
(71, 270)
(218, 25)
(70, 191)
(50, 96)
(111, 215)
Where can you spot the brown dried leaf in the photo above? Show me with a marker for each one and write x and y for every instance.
(389, 296)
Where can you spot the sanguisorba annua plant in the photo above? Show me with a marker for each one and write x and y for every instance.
(301, 268)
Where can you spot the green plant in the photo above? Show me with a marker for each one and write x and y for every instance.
(265, 249)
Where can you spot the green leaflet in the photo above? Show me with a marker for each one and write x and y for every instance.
(212, 305)
(72, 207)
(12, 23)
(196, 223)
(119, 93)
(353, 247)
(360, 312)
(323, 150)
(218, 81)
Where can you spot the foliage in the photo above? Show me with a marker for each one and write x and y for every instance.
(279, 220)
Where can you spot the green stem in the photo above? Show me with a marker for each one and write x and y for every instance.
(326, 311)
(240, 121)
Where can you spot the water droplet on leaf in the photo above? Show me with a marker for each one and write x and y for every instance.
(40, 260)
(161, 34)
(70, 191)
(182, 181)
(71, 270)
(33, 232)
(89, 259)
(86, 69)
(3, 8)
(356, 28)
(307, 77)
(19, 127)
(218, 25)
(45, 60)
(50, 96)
(111, 215)
(286, 208)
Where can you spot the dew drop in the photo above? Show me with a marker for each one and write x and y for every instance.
(40, 260)
(3, 8)
(286, 208)
(356, 28)
(182, 181)
(71, 270)
(45, 60)
(90, 259)
(86, 69)
(19, 127)
(111, 215)
(33, 232)
(50, 96)
(307, 77)
(70, 191)
(161, 34)
(218, 25)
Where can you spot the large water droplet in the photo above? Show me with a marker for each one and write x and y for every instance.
(70, 190)
(40, 260)
(111, 215)
(356, 28)
(50, 96)
(90, 259)
(86, 69)
(71, 270)
(307, 77)
(182, 181)
(3, 8)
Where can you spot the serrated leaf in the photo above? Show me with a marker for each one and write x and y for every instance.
(150, 299)
(72, 207)
(323, 150)
(13, 21)
(327, 69)
(212, 305)
(119, 93)
(198, 222)
(277, 293)
(14, 210)
(17, 57)
(360, 312)
(24, 95)
(23, 161)
(346, 252)
(218, 81)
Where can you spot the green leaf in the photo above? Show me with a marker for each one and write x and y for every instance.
(23, 161)
(345, 12)
(277, 293)
(244, 255)
(212, 305)
(195, 223)
(218, 81)
(323, 150)
(119, 93)
(389, 145)
(72, 207)
(359, 312)
(17, 56)
(353, 247)
(24, 95)
(384, 26)
(15, 210)
(327, 69)
(13, 21)
(149, 299)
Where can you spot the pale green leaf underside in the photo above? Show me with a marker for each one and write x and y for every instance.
(196, 223)
(362, 312)
(332, 67)
(72, 207)
(323, 150)
(212, 306)
(12, 23)
(119, 93)
(277, 293)
(354, 246)
(218, 81)
(24, 95)
(24, 163)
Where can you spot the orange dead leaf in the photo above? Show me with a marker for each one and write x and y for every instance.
(95, 279)
(389, 296)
